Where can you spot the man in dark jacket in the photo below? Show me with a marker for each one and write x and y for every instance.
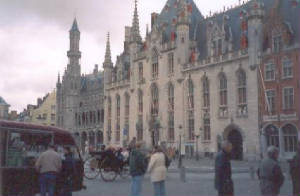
(138, 168)
(295, 172)
(270, 174)
(68, 170)
(223, 180)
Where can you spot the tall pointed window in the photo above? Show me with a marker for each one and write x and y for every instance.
(139, 125)
(118, 114)
(154, 100)
(140, 101)
(205, 83)
(242, 93)
(171, 63)
(141, 71)
(223, 95)
(127, 110)
(109, 119)
(154, 64)
(191, 121)
(171, 135)
(206, 108)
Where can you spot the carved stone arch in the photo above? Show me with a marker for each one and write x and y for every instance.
(231, 127)
(236, 136)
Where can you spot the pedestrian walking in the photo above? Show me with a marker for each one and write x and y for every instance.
(295, 172)
(223, 180)
(68, 172)
(132, 144)
(270, 174)
(48, 165)
(138, 168)
(158, 170)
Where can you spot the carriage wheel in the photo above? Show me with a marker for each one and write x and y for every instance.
(108, 174)
(91, 169)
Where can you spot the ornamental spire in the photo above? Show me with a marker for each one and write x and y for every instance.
(107, 60)
(135, 29)
(74, 26)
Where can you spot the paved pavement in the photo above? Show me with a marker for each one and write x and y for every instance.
(196, 184)
(206, 165)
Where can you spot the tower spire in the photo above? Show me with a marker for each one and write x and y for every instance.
(58, 78)
(135, 29)
(107, 60)
(74, 26)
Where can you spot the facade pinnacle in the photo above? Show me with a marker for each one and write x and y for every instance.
(135, 29)
(107, 60)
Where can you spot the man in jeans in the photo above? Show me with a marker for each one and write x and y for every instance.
(223, 180)
(48, 165)
(138, 166)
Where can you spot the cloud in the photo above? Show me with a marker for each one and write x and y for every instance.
(34, 39)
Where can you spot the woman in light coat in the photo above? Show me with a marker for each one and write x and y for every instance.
(158, 171)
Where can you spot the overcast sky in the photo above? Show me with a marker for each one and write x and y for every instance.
(34, 39)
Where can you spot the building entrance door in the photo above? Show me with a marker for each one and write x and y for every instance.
(236, 139)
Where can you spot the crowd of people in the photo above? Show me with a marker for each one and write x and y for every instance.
(156, 163)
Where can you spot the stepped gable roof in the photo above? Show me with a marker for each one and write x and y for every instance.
(290, 16)
(2, 101)
(170, 13)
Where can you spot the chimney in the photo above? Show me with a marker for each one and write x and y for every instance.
(39, 101)
(153, 19)
(96, 69)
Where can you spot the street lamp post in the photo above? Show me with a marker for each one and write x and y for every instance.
(180, 157)
(197, 148)
(197, 151)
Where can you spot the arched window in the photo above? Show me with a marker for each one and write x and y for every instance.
(76, 117)
(223, 89)
(205, 92)
(272, 135)
(83, 119)
(190, 94)
(242, 92)
(109, 119)
(171, 135)
(191, 120)
(140, 101)
(118, 114)
(154, 100)
(171, 97)
(290, 136)
(98, 116)
(127, 109)
(154, 63)
(139, 125)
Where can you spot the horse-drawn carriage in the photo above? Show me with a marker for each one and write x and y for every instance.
(108, 164)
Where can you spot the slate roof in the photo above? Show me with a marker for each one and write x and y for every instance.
(199, 24)
(170, 12)
(2, 101)
(91, 81)
(290, 16)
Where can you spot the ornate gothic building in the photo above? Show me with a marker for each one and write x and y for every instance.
(196, 80)
(80, 98)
